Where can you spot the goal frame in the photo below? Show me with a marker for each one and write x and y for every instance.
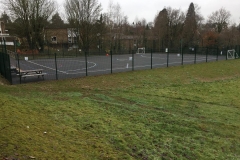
(232, 54)
(143, 50)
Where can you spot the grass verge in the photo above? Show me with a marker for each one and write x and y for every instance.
(186, 112)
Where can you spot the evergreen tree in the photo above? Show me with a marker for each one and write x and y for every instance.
(56, 21)
(190, 27)
(161, 27)
(5, 18)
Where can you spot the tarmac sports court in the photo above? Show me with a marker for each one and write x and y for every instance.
(98, 65)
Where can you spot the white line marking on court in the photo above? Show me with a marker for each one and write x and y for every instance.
(152, 57)
(122, 60)
(65, 72)
(179, 58)
(46, 67)
(94, 65)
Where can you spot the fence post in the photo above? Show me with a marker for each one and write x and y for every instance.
(86, 63)
(207, 55)
(182, 58)
(129, 46)
(111, 62)
(48, 49)
(181, 51)
(2, 45)
(1, 63)
(132, 60)
(151, 59)
(167, 57)
(18, 66)
(56, 66)
(5, 47)
(63, 49)
(227, 54)
(9, 69)
(15, 45)
(235, 54)
(238, 48)
(4, 66)
(217, 54)
(32, 51)
(4, 63)
(195, 55)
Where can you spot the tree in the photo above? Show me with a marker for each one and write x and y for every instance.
(168, 26)
(230, 36)
(101, 29)
(117, 25)
(219, 19)
(30, 18)
(5, 18)
(82, 15)
(56, 21)
(176, 19)
(190, 27)
(198, 16)
(161, 27)
(210, 38)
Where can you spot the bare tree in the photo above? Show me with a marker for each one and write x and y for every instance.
(117, 25)
(30, 18)
(176, 19)
(230, 36)
(168, 26)
(82, 15)
(219, 19)
(198, 16)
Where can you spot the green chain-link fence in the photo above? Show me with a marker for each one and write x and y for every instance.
(50, 66)
(5, 67)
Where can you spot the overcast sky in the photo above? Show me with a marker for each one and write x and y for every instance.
(149, 8)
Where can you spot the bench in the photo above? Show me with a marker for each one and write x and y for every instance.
(13, 69)
(31, 73)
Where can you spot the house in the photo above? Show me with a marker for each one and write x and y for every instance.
(60, 37)
(9, 40)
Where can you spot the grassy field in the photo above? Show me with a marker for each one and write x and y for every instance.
(185, 112)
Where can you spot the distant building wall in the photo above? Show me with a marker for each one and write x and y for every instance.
(56, 35)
